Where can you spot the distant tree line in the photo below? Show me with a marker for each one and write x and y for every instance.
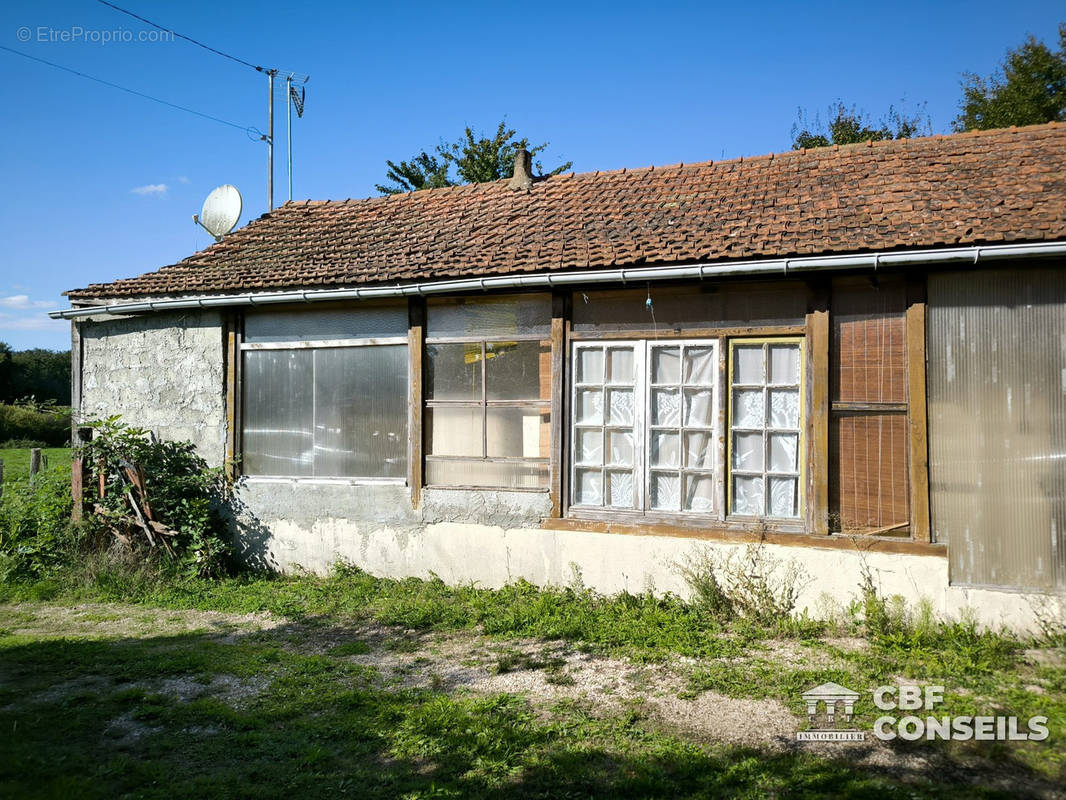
(43, 375)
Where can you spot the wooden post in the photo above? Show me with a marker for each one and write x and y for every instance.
(921, 527)
(817, 336)
(77, 473)
(35, 463)
(560, 315)
(416, 336)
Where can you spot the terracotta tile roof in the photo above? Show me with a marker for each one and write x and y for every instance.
(976, 188)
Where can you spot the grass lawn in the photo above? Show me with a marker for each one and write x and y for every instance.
(17, 461)
(112, 685)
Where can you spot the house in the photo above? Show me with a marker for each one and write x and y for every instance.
(856, 355)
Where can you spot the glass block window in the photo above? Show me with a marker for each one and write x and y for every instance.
(644, 416)
(765, 428)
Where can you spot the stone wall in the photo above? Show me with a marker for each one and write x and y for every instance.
(160, 371)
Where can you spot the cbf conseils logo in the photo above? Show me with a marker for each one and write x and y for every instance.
(823, 728)
(839, 704)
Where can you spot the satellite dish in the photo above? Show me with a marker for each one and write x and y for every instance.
(221, 210)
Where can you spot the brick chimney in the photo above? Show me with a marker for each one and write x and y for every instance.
(522, 180)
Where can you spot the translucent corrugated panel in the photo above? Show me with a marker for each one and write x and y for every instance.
(997, 425)
(489, 317)
(278, 412)
(327, 413)
(361, 412)
(453, 372)
(476, 472)
(357, 322)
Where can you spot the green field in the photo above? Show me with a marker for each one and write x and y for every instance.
(17, 461)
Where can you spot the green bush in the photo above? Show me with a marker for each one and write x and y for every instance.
(184, 495)
(36, 534)
(50, 426)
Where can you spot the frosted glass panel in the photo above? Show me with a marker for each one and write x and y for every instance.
(783, 497)
(620, 487)
(699, 408)
(666, 365)
(666, 491)
(783, 452)
(490, 316)
(748, 364)
(621, 447)
(358, 322)
(699, 493)
(748, 409)
(589, 446)
(748, 495)
(589, 365)
(589, 489)
(518, 370)
(454, 431)
(699, 450)
(784, 408)
(666, 407)
(590, 406)
(516, 433)
(278, 412)
(620, 365)
(621, 406)
(665, 449)
(748, 452)
(453, 372)
(784, 364)
(701, 367)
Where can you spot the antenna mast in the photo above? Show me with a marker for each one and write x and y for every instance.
(270, 140)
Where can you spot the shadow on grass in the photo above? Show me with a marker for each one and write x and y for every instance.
(243, 715)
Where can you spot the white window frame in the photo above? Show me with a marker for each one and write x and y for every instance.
(643, 388)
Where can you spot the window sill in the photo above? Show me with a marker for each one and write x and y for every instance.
(745, 534)
(276, 479)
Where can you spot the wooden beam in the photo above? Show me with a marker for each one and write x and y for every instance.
(917, 418)
(746, 534)
(560, 323)
(231, 354)
(416, 337)
(817, 390)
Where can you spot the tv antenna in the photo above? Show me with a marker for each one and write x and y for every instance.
(221, 211)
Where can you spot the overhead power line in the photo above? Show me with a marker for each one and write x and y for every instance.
(245, 128)
(182, 36)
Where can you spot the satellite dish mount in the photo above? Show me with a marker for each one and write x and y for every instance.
(221, 211)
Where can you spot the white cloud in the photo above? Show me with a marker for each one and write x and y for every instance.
(150, 189)
(38, 322)
(23, 302)
(183, 179)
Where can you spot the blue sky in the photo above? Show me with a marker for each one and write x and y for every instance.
(100, 184)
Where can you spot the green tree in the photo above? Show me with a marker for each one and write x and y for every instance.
(474, 159)
(41, 374)
(1029, 88)
(421, 172)
(851, 126)
(5, 371)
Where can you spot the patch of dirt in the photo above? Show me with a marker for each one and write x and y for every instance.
(113, 620)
